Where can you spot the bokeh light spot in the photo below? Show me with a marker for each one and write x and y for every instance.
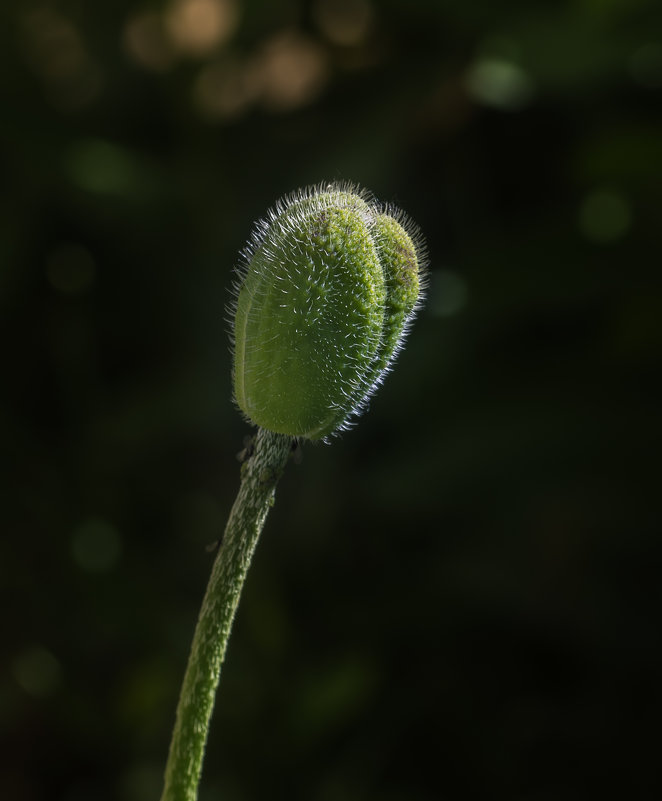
(292, 70)
(448, 293)
(96, 546)
(646, 65)
(343, 22)
(70, 269)
(288, 71)
(100, 166)
(604, 216)
(37, 671)
(147, 43)
(198, 27)
(56, 52)
(500, 84)
(54, 44)
(226, 89)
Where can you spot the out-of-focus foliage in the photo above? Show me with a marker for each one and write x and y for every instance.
(460, 598)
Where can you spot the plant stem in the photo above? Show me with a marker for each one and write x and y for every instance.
(196, 702)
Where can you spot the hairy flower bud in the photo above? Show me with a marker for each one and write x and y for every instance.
(329, 283)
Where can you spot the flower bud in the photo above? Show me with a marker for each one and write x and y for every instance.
(327, 288)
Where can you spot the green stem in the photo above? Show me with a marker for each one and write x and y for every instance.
(196, 702)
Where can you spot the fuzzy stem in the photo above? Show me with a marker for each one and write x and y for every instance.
(259, 477)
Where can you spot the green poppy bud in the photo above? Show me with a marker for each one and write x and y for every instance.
(326, 291)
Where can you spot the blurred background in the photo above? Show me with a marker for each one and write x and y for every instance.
(458, 599)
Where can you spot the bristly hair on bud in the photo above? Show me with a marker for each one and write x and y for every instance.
(326, 291)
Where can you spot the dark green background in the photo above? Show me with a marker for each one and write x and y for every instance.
(459, 599)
